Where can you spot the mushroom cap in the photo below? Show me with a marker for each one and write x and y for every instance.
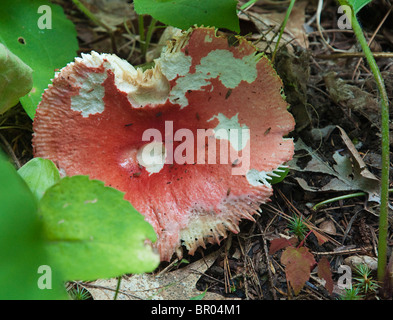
(190, 142)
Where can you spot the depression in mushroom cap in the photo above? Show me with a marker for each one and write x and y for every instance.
(191, 142)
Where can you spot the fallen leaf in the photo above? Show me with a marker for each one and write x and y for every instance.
(298, 263)
(320, 238)
(348, 173)
(280, 243)
(173, 285)
(110, 12)
(325, 273)
(328, 227)
(264, 19)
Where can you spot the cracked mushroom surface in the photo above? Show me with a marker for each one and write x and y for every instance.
(192, 142)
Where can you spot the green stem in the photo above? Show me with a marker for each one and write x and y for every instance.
(346, 196)
(117, 288)
(149, 32)
(247, 4)
(284, 23)
(145, 38)
(141, 27)
(383, 214)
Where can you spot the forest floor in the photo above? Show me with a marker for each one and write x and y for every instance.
(333, 97)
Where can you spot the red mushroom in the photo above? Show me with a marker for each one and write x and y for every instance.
(191, 142)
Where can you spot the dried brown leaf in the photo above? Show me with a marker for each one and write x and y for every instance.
(280, 243)
(298, 263)
(325, 273)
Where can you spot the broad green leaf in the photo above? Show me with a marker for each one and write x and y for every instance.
(22, 249)
(357, 5)
(39, 174)
(16, 79)
(184, 14)
(93, 232)
(38, 33)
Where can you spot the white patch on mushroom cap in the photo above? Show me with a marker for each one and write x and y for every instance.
(174, 64)
(230, 70)
(218, 63)
(230, 129)
(152, 156)
(91, 92)
(148, 87)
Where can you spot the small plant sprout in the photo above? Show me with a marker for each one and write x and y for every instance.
(364, 282)
(297, 226)
(351, 294)
(79, 293)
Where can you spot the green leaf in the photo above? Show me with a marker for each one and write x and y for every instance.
(184, 14)
(280, 175)
(16, 79)
(22, 30)
(22, 249)
(357, 5)
(39, 174)
(93, 232)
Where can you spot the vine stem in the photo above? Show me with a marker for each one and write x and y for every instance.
(384, 101)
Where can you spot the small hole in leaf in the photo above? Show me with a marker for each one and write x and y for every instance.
(21, 40)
